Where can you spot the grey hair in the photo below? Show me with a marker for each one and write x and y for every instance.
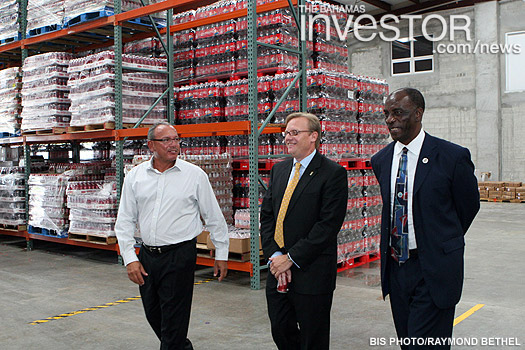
(151, 131)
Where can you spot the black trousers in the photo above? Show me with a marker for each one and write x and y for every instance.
(299, 321)
(415, 314)
(167, 293)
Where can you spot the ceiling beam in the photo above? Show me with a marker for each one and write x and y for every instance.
(424, 6)
(379, 4)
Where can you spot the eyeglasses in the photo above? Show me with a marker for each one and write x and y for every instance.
(167, 141)
(294, 132)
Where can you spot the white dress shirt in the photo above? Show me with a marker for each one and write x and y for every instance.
(414, 148)
(168, 207)
(304, 164)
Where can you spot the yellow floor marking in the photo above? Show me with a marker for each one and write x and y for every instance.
(118, 302)
(468, 313)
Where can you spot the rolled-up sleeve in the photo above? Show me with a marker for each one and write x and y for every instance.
(127, 221)
(213, 217)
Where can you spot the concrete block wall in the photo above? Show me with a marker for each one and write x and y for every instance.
(466, 101)
(511, 15)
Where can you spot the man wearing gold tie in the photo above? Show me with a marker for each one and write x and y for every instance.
(301, 214)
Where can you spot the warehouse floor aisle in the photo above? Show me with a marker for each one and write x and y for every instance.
(61, 297)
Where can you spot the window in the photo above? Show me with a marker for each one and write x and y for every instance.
(515, 80)
(412, 56)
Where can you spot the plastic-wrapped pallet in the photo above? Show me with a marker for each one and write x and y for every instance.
(12, 196)
(10, 101)
(9, 25)
(201, 103)
(329, 52)
(48, 210)
(78, 11)
(373, 133)
(92, 207)
(331, 98)
(236, 96)
(219, 170)
(45, 13)
(92, 83)
(45, 91)
(47, 203)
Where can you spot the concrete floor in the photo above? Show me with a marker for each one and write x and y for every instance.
(54, 279)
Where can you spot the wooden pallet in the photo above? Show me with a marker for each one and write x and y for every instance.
(15, 228)
(91, 127)
(131, 125)
(52, 131)
(499, 200)
(101, 126)
(92, 239)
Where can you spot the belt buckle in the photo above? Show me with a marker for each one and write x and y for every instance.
(155, 250)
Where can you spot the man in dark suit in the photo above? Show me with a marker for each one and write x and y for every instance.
(301, 214)
(430, 198)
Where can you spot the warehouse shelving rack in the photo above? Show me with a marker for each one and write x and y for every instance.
(117, 30)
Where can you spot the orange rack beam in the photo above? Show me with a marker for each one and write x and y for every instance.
(111, 247)
(22, 234)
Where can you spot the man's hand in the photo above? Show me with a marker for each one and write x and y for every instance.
(136, 272)
(279, 265)
(284, 278)
(220, 269)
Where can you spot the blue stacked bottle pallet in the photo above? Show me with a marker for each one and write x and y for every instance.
(46, 232)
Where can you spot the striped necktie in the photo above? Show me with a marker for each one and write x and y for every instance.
(279, 234)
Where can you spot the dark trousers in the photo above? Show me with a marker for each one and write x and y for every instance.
(167, 293)
(415, 314)
(299, 321)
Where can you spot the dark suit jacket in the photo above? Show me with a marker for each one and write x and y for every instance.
(314, 217)
(445, 201)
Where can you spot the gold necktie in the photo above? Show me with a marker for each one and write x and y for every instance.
(279, 236)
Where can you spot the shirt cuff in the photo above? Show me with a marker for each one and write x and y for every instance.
(129, 257)
(290, 258)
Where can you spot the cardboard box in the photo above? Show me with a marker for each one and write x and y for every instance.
(520, 189)
(203, 237)
(509, 189)
(237, 245)
(508, 195)
(496, 183)
(512, 184)
(484, 193)
(495, 194)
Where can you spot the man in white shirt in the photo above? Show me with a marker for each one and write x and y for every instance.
(167, 197)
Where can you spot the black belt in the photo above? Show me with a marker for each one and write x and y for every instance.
(164, 248)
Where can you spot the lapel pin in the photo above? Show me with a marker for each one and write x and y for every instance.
(311, 173)
(425, 160)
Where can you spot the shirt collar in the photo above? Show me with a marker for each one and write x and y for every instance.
(306, 161)
(414, 146)
(150, 166)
